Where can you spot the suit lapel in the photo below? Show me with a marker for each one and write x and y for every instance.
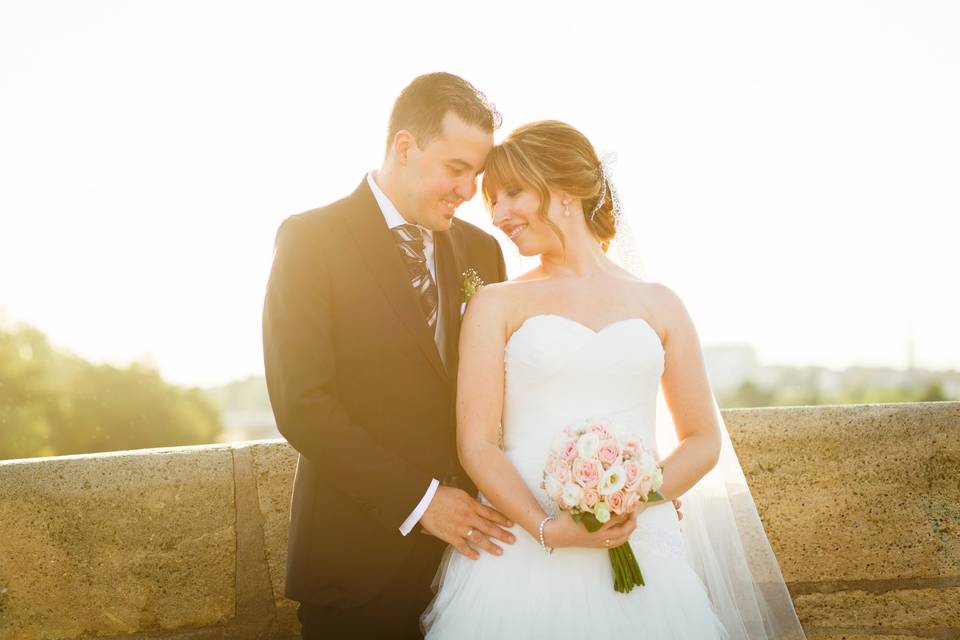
(448, 277)
(369, 229)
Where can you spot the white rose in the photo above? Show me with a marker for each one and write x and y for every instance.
(612, 480)
(571, 494)
(602, 512)
(558, 441)
(646, 486)
(620, 434)
(646, 463)
(553, 487)
(588, 444)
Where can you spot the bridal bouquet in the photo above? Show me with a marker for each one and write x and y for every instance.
(596, 470)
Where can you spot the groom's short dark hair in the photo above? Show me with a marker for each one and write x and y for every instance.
(421, 106)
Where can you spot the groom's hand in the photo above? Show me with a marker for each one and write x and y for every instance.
(458, 519)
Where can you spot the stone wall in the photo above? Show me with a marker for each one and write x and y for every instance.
(861, 504)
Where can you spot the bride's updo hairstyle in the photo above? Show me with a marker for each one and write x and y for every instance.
(552, 154)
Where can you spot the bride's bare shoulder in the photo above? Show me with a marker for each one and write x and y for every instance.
(669, 309)
(520, 286)
(505, 302)
(663, 296)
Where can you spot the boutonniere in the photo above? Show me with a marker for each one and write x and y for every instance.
(471, 284)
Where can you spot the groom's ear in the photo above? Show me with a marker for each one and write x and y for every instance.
(403, 143)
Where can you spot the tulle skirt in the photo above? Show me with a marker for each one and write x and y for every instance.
(528, 593)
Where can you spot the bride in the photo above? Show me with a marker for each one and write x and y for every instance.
(581, 337)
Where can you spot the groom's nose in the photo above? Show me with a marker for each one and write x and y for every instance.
(466, 188)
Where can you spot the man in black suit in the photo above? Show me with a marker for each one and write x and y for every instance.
(360, 328)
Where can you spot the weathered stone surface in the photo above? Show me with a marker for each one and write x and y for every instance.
(116, 543)
(274, 464)
(861, 505)
(903, 608)
(855, 492)
(866, 635)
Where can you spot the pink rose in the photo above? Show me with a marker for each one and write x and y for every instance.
(630, 502)
(600, 430)
(589, 499)
(632, 473)
(609, 452)
(563, 473)
(631, 449)
(616, 501)
(568, 451)
(586, 472)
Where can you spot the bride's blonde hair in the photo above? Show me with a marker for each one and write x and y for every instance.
(552, 154)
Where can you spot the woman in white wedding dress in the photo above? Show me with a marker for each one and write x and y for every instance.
(575, 338)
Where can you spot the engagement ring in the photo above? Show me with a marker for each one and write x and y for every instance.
(469, 531)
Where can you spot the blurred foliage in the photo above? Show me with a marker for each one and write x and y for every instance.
(749, 394)
(245, 394)
(54, 403)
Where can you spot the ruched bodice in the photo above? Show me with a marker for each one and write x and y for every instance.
(559, 372)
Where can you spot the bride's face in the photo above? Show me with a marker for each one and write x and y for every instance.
(515, 212)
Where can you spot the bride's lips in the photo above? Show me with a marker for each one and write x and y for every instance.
(513, 231)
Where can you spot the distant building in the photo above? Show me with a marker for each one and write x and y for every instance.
(728, 366)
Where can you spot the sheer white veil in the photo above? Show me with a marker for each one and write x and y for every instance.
(723, 535)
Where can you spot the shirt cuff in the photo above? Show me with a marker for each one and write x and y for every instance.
(420, 509)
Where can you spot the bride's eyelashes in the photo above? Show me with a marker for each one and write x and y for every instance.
(511, 192)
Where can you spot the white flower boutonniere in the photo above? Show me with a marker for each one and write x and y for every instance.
(472, 282)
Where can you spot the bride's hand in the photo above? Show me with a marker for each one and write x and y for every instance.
(564, 531)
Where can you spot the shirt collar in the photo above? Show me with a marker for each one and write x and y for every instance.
(387, 208)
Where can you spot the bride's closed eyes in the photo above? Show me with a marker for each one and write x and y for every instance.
(511, 192)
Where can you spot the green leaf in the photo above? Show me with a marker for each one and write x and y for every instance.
(590, 522)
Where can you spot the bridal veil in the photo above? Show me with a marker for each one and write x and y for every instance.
(724, 538)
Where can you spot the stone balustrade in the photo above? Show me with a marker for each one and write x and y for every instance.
(861, 504)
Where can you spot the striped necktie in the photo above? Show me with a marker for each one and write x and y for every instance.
(410, 240)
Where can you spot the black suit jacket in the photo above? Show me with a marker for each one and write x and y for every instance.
(360, 391)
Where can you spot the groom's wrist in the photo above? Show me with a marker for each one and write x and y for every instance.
(414, 518)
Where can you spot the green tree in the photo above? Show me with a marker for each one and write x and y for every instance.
(30, 407)
(54, 403)
(117, 409)
(933, 392)
(749, 394)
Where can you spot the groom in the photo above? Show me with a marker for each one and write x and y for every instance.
(360, 329)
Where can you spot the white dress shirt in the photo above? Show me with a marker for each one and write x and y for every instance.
(394, 219)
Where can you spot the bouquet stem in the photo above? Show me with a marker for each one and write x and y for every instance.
(626, 571)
